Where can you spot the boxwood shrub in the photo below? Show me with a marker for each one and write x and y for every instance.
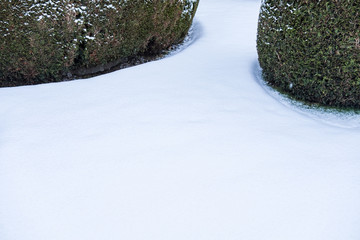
(45, 41)
(311, 49)
(36, 41)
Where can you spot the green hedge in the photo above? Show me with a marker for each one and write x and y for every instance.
(311, 49)
(46, 41)
(35, 42)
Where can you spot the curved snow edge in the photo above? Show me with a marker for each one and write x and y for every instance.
(193, 35)
(332, 117)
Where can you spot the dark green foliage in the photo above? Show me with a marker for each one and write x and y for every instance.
(311, 49)
(131, 28)
(44, 41)
(33, 45)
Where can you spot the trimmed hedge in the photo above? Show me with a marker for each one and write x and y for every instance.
(36, 42)
(311, 50)
(45, 41)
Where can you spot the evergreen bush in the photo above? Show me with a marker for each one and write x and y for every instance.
(311, 49)
(45, 41)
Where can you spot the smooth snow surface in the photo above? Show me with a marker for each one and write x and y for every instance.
(190, 147)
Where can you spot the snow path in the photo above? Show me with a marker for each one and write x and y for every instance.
(188, 147)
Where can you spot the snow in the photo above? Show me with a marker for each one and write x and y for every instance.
(193, 146)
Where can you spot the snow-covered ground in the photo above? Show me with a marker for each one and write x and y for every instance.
(190, 147)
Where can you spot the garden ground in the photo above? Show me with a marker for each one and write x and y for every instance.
(192, 146)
